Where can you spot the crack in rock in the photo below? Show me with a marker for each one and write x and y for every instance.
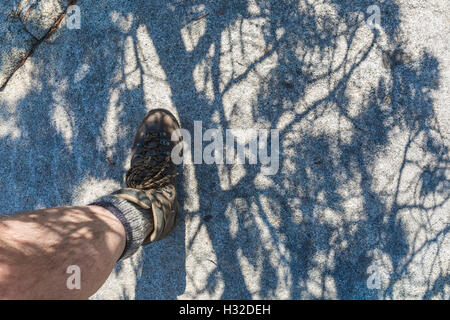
(23, 27)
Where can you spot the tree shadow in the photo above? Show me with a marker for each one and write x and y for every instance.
(363, 176)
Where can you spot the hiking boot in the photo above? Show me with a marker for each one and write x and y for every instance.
(153, 173)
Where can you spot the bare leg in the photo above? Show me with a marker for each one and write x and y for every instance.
(37, 247)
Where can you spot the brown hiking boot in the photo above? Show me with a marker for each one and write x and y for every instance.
(153, 172)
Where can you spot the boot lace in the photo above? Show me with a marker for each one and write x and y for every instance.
(153, 167)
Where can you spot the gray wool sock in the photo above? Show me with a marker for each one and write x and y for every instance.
(137, 221)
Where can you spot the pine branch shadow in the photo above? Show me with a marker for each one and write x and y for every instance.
(334, 208)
